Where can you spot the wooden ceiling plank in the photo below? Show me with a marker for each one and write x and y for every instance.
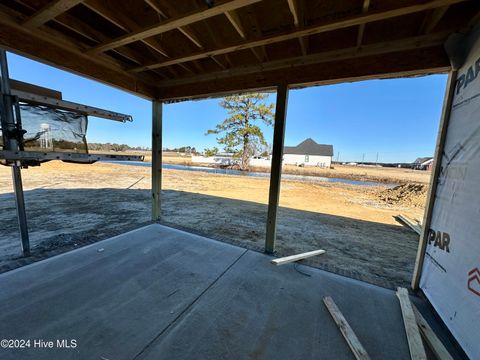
(432, 18)
(234, 19)
(295, 11)
(172, 12)
(49, 12)
(45, 47)
(417, 42)
(309, 30)
(173, 23)
(123, 22)
(361, 28)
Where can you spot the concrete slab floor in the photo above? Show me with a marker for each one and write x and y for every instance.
(160, 293)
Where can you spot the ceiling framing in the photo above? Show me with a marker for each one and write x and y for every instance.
(167, 50)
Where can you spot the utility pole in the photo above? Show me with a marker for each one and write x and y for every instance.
(376, 161)
(363, 158)
(338, 156)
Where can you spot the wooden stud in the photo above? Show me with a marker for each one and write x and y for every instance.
(49, 12)
(361, 28)
(234, 19)
(415, 344)
(173, 23)
(437, 163)
(276, 168)
(309, 30)
(430, 337)
(411, 224)
(295, 11)
(297, 257)
(432, 18)
(353, 343)
(34, 89)
(156, 160)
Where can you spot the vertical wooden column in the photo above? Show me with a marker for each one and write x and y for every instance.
(156, 159)
(276, 169)
(427, 218)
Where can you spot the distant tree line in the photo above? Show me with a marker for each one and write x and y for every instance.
(183, 149)
(115, 147)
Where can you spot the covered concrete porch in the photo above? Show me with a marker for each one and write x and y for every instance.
(160, 293)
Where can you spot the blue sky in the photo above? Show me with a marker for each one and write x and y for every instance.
(398, 118)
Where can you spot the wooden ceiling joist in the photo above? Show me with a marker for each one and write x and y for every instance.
(45, 48)
(361, 28)
(309, 30)
(49, 12)
(417, 42)
(295, 10)
(234, 19)
(432, 18)
(173, 23)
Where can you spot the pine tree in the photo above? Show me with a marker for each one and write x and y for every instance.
(240, 133)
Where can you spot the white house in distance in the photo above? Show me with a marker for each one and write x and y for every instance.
(308, 153)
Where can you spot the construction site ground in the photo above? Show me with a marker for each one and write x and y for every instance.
(70, 205)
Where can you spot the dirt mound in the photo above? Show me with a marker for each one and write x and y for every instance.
(414, 195)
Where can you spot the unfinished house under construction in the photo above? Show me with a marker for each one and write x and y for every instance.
(161, 293)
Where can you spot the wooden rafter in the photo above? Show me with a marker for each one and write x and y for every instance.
(295, 10)
(361, 27)
(432, 18)
(49, 12)
(123, 22)
(417, 42)
(234, 19)
(46, 47)
(173, 23)
(309, 30)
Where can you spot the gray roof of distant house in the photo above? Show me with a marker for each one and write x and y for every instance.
(309, 147)
(421, 160)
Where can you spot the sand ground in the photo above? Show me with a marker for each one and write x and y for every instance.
(69, 205)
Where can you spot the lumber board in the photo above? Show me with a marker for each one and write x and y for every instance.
(357, 349)
(415, 344)
(293, 258)
(50, 11)
(35, 89)
(410, 223)
(173, 23)
(301, 32)
(430, 337)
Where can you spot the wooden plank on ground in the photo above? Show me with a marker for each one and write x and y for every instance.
(430, 337)
(293, 258)
(410, 223)
(415, 344)
(357, 349)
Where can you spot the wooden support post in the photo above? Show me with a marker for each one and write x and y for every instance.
(156, 159)
(437, 165)
(276, 168)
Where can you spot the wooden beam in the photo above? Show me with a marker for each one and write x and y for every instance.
(309, 30)
(156, 160)
(173, 23)
(415, 344)
(361, 28)
(123, 22)
(297, 257)
(416, 42)
(410, 223)
(432, 190)
(276, 168)
(49, 12)
(295, 11)
(44, 47)
(234, 19)
(430, 337)
(34, 89)
(411, 62)
(432, 18)
(353, 343)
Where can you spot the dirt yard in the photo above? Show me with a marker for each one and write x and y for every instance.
(70, 205)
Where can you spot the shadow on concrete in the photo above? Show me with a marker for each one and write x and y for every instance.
(64, 219)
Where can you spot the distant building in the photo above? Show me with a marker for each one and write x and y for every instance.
(423, 163)
(308, 153)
